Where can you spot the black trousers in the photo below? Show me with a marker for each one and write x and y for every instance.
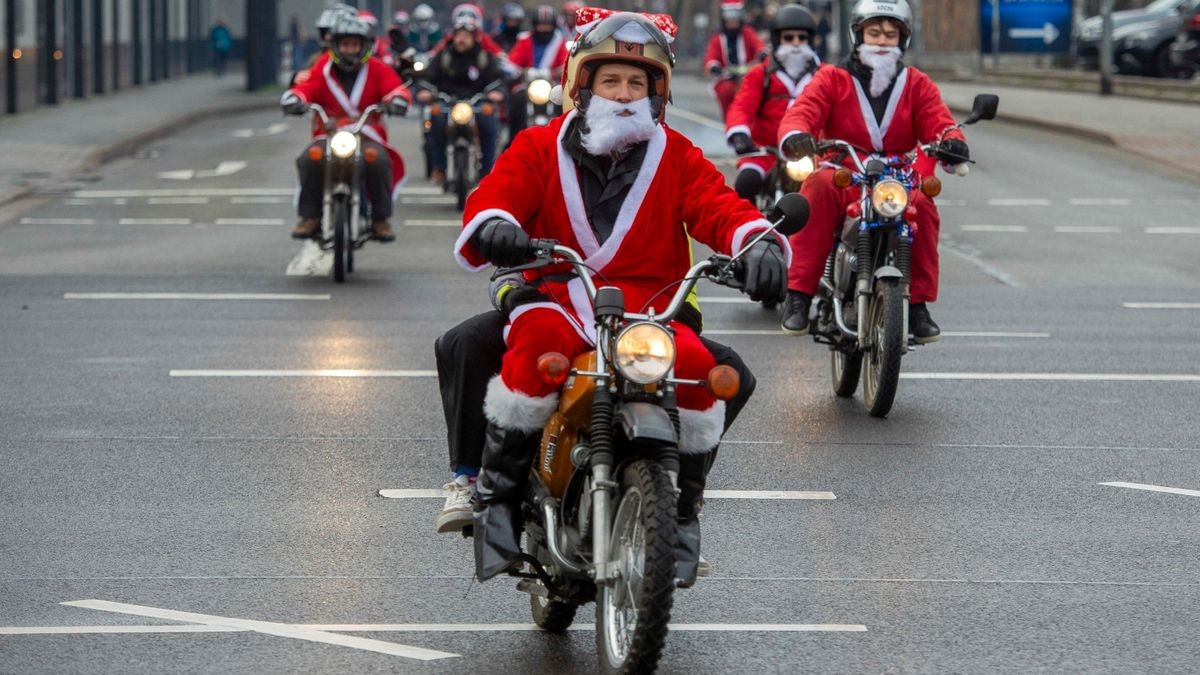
(469, 356)
(377, 175)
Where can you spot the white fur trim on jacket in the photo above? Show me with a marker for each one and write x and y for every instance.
(469, 231)
(515, 411)
(700, 430)
(751, 230)
(739, 129)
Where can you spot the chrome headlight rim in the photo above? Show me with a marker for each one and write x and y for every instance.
(889, 208)
(343, 144)
(632, 360)
(799, 170)
(462, 113)
(539, 91)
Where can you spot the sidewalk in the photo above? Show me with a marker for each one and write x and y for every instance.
(48, 146)
(1163, 131)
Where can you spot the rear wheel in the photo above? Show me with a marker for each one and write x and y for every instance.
(461, 157)
(886, 325)
(633, 611)
(341, 243)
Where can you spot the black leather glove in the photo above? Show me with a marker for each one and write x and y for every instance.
(714, 69)
(952, 151)
(502, 243)
(293, 104)
(799, 145)
(398, 106)
(766, 271)
(742, 143)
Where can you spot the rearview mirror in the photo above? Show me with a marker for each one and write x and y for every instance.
(984, 108)
(793, 210)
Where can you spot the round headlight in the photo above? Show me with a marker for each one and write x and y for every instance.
(462, 113)
(889, 198)
(418, 66)
(539, 92)
(343, 144)
(645, 353)
(800, 169)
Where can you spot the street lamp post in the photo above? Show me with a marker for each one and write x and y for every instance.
(1106, 49)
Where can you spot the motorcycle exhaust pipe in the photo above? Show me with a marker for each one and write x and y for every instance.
(550, 518)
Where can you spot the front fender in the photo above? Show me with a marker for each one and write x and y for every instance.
(646, 422)
(888, 272)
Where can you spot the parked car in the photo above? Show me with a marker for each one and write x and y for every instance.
(1185, 51)
(1142, 38)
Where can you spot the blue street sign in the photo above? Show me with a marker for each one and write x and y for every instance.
(1028, 26)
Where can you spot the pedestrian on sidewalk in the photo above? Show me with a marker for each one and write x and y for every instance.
(221, 42)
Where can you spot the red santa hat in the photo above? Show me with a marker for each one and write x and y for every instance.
(587, 17)
(732, 9)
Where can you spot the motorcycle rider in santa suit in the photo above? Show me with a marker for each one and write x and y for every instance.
(544, 48)
(736, 44)
(348, 83)
(512, 24)
(879, 104)
(612, 181)
(766, 93)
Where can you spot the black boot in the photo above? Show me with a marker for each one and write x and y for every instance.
(795, 313)
(921, 325)
(500, 489)
(693, 468)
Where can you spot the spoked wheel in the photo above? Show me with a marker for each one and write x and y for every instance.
(460, 177)
(632, 612)
(886, 326)
(341, 241)
(845, 369)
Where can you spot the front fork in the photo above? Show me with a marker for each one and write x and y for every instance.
(866, 272)
(338, 187)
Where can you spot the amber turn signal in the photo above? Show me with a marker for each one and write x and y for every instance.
(487, 109)
(931, 186)
(370, 154)
(316, 154)
(435, 110)
(842, 178)
(553, 368)
(724, 382)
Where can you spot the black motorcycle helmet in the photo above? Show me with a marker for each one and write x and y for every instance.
(792, 17)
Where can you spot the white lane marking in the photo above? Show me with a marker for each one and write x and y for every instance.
(304, 373)
(242, 133)
(427, 200)
(720, 331)
(1161, 305)
(1154, 488)
(1087, 229)
(84, 630)
(58, 221)
(951, 202)
(784, 495)
(259, 200)
(196, 296)
(1018, 202)
(726, 300)
(269, 628)
(225, 168)
(433, 223)
(430, 628)
(154, 221)
(79, 202)
(1101, 201)
(1173, 230)
(971, 255)
(698, 119)
(994, 228)
(186, 192)
(422, 190)
(961, 334)
(176, 201)
(1053, 377)
(248, 221)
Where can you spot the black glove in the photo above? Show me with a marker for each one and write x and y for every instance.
(799, 145)
(397, 106)
(714, 69)
(293, 104)
(742, 144)
(766, 271)
(502, 243)
(952, 151)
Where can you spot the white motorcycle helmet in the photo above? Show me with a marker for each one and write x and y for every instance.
(896, 10)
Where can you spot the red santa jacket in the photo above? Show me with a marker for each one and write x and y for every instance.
(677, 193)
(485, 41)
(750, 49)
(554, 56)
(757, 111)
(835, 106)
(375, 83)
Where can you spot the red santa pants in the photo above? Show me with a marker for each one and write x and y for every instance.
(724, 90)
(760, 165)
(811, 245)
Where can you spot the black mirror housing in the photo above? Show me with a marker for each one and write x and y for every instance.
(793, 209)
(984, 108)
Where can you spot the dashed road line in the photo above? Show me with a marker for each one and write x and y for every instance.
(1054, 377)
(1087, 229)
(196, 296)
(1173, 230)
(176, 201)
(417, 222)
(154, 221)
(185, 192)
(58, 221)
(766, 495)
(1161, 305)
(335, 373)
(1100, 201)
(777, 332)
(259, 200)
(1019, 202)
(994, 228)
(1154, 488)
(248, 221)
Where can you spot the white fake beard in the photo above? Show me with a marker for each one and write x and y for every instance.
(883, 62)
(609, 132)
(795, 60)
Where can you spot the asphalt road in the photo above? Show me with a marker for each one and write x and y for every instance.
(971, 530)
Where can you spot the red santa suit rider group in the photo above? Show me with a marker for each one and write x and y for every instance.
(879, 105)
(767, 91)
(345, 84)
(736, 47)
(610, 180)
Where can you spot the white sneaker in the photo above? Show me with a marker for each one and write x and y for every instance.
(703, 569)
(457, 512)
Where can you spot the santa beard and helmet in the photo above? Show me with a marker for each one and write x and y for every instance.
(883, 61)
(794, 59)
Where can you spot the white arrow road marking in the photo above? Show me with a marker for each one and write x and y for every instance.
(1047, 33)
(1154, 488)
(1161, 305)
(786, 495)
(304, 373)
(268, 628)
(226, 168)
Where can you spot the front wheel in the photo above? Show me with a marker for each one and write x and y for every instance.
(341, 240)
(886, 326)
(461, 157)
(632, 612)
